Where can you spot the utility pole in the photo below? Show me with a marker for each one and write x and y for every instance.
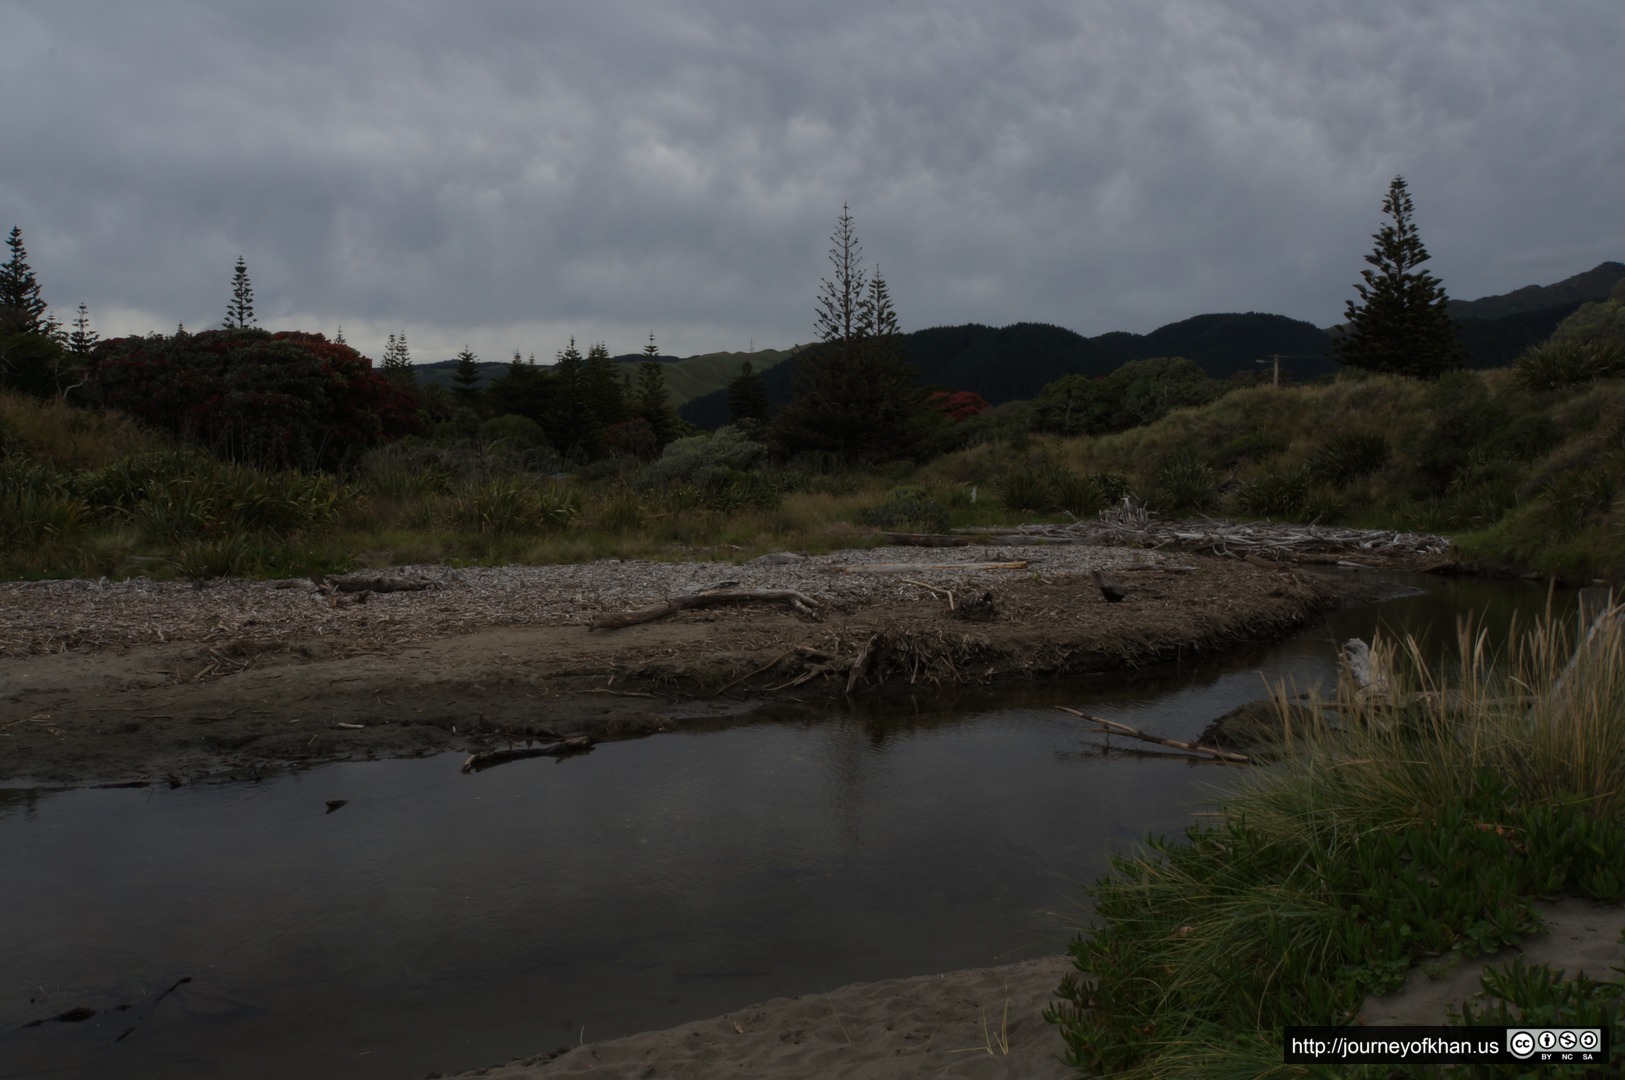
(1275, 360)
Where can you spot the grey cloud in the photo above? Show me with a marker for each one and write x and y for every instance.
(486, 171)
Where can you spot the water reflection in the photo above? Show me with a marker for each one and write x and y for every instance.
(441, 921)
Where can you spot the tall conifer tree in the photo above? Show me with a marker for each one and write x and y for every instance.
(83, 338)
(22, 310)
(854, 394)
(465, 377)
(1399, 324)
(240, 312)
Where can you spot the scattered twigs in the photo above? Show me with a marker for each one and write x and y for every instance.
(932, 588)
(1115, 728)
(576, 744)
(710, 598)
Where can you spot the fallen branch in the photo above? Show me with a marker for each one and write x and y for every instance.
(1113, 727)
(932, 588)
(711, 598)
(576, 744)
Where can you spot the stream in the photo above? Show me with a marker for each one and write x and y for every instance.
(438, 921)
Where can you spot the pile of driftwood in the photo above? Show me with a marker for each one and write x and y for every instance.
(1324, 544)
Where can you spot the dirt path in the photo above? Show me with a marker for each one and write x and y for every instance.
(145, 682)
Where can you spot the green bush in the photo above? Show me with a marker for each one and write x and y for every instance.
(1252, 446)
(705, 461)
(906, 509)
(1283, 493)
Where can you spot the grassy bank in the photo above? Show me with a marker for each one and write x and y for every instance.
(1391, 831)
(1523, 478)
(1524, 474)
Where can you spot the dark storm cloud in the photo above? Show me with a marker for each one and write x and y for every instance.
(505, 174)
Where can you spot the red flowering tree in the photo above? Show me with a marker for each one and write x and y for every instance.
(958, 406)
(284, 400)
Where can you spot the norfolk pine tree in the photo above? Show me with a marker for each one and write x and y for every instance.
(83, 338)
(649, 398)
(240, 312)
(747, 395)
(22, 310)
(1399, 324)
(601, 388)
(31, 342)
(466, 377)
(855, 394)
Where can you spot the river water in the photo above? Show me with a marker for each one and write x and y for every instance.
(439, 921)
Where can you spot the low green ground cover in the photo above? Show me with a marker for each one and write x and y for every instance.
(1388, 831)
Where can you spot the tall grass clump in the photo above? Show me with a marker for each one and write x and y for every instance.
(1417, 820)
(1186, 485)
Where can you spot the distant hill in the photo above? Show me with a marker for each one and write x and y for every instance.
(1594, 284)
(686, 378)
(1015, 362)
(695, 376)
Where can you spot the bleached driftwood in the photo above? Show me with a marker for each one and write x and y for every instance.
(576, 744)
(1115, 728)
(1261, 541)
(384, 583)
(615, 620)
(910, 568)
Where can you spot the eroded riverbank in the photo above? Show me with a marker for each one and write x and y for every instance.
(128, 682)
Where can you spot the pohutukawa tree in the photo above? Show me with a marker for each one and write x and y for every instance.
(240, 312)
(1399, 324)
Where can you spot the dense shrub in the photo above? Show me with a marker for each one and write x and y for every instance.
(284, 400)
(907, 509)
(704, 461)
(1139, 392)
(1282, 493)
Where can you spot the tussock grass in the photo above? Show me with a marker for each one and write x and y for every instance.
(1390, 829)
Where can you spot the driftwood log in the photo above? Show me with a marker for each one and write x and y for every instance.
(615, 620)
(909, 568)
(576, 744)
(929, 539)
(354, 583)
(1113, 727)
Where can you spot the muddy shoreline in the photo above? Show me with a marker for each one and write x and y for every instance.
(234, 691)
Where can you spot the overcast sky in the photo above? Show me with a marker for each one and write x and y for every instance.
(507, 174)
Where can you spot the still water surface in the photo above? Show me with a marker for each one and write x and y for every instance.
(441, 921)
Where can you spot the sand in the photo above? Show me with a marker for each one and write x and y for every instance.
(956, 1024)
